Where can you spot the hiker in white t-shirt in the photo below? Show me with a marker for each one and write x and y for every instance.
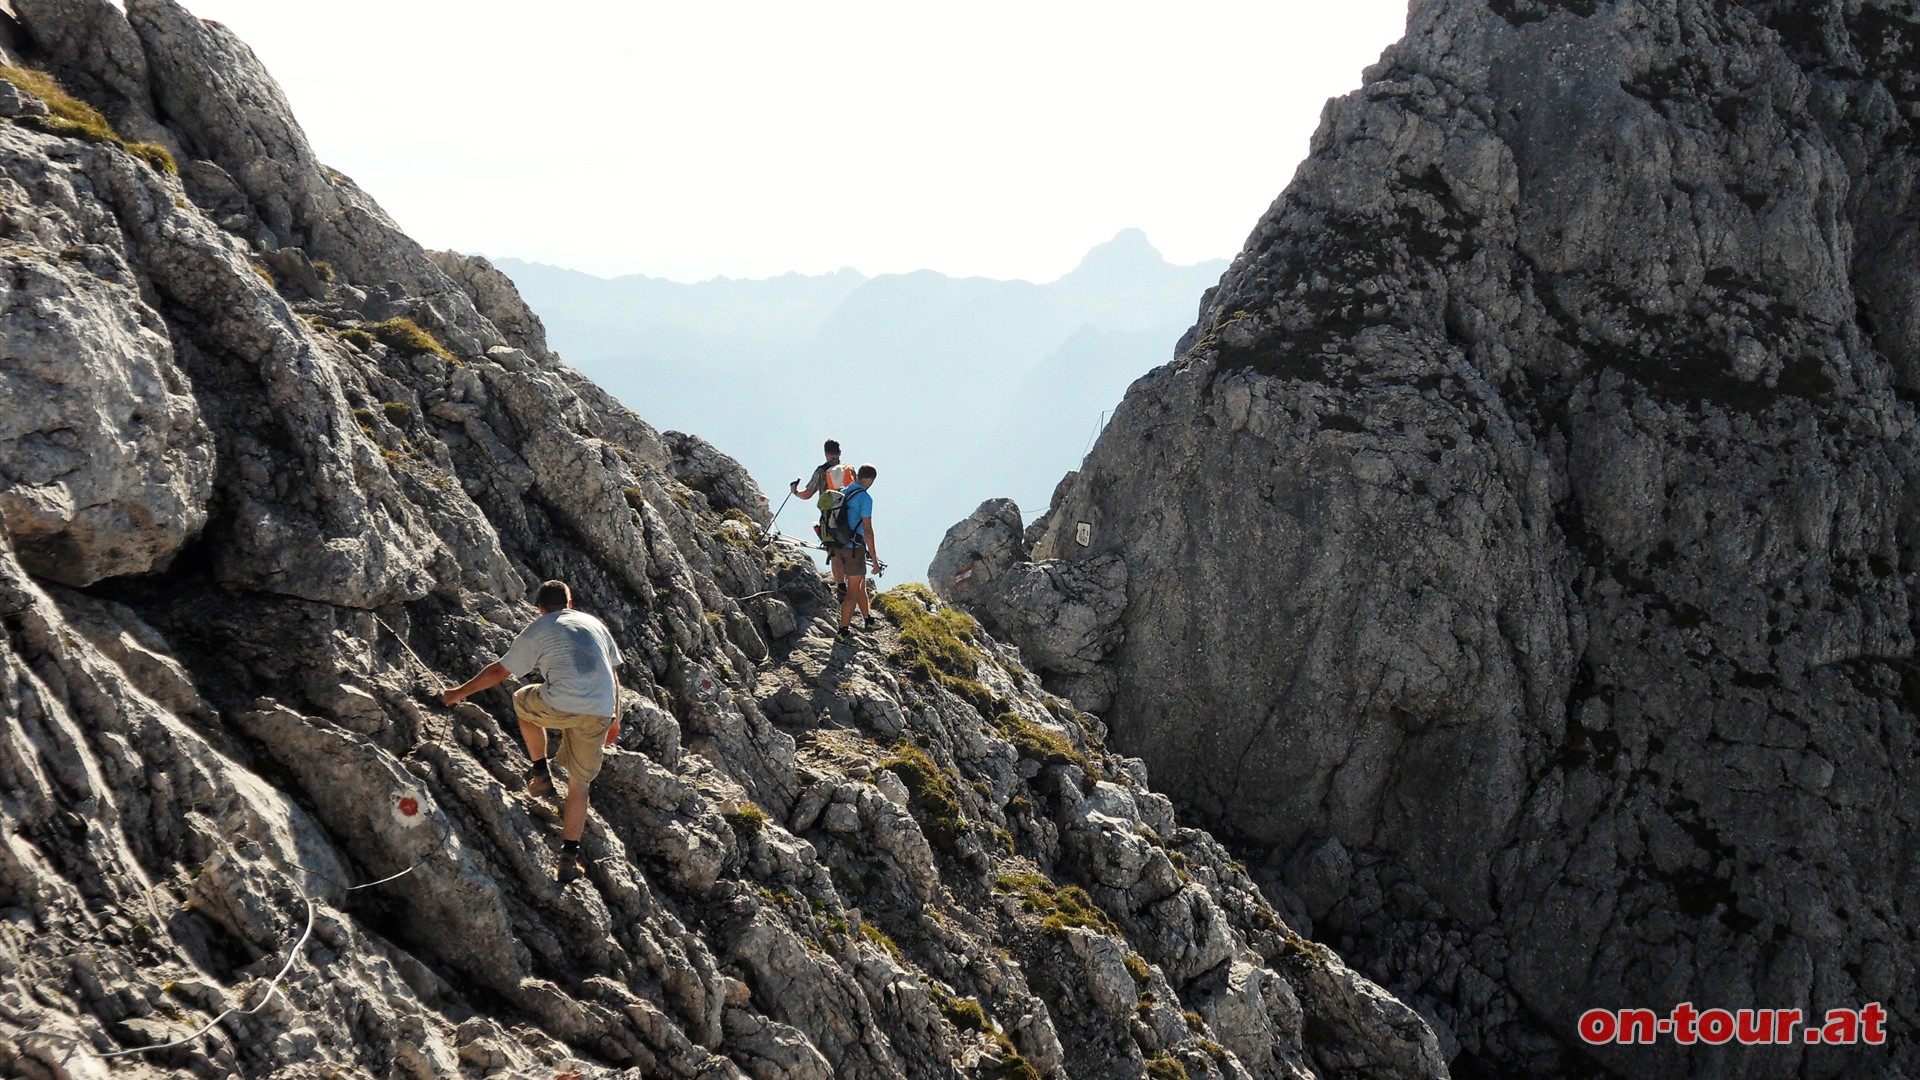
(579, 697)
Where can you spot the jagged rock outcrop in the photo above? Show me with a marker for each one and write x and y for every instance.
(276, 475)
(1065, 614)
(1529, 558)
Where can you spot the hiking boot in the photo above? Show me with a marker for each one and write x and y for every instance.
(871, 622)
(539, 783)
(571, 869)
(846, 634)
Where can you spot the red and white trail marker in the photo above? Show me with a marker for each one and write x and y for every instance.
(409, 811)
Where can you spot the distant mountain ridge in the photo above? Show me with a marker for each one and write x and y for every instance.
(948, 384)
(604, 316)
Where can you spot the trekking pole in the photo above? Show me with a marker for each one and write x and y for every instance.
(775, 527)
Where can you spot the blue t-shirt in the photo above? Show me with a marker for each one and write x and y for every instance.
(859, 509)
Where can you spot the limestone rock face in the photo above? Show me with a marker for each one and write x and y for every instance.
(103, 452)
(271, 477)
(1065, 614)
(1536, 514)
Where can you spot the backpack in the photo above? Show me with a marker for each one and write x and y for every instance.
(834, 477)
(837, 532)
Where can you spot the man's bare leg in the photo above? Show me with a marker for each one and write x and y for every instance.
(573, 816)
(535, 737)
(856, 597)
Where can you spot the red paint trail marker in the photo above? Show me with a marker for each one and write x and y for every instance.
(406, 811)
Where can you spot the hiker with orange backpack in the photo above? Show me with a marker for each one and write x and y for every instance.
(828, 477)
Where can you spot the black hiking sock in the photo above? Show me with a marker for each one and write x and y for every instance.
(538, 781)
(569, 849)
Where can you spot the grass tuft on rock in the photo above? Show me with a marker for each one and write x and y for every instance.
(1012, 1065)
(69, 117)
(404, 336)
(1038, 743)
(748, 821)
(964, 1013)
(1061, 908)
(936, 645)
(885, 941)
(1164, 1066)
(932, 794)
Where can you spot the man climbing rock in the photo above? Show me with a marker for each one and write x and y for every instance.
(828, 477)
(578, 697)
(851, 531)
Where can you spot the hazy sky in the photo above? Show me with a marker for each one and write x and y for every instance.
(750, 138)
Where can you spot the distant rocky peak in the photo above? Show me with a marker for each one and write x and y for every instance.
(1128, 248)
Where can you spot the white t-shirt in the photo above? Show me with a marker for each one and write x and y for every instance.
(576, 656)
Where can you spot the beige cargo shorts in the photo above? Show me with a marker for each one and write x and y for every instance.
(582, 737)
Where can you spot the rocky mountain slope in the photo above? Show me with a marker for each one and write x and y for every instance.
(270, 474)
(1523, 549)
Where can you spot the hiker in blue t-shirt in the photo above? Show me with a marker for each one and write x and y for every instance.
(851, 557)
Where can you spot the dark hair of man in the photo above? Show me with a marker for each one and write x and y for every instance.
(867, 472)
(832, 448)
(553, 596)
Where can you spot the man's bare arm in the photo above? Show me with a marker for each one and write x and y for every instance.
(613, 733)
(491, 675)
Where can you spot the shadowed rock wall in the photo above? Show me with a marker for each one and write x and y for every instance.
(1523, 545)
